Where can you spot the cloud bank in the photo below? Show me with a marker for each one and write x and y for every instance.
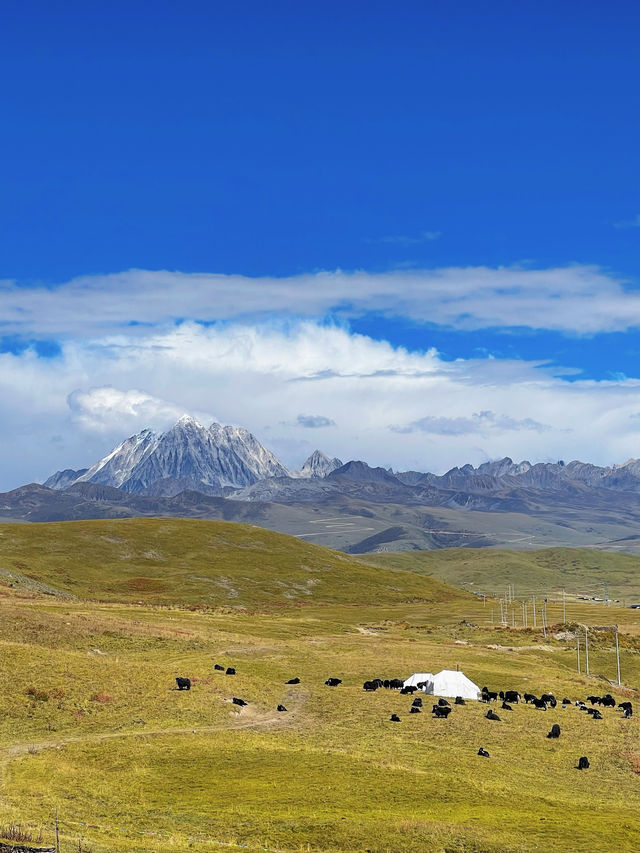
(575, 299)
(394, 407)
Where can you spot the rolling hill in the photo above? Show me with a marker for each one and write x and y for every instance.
(580, 571)
(183, 561)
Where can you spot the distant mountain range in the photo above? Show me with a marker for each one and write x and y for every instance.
(224, 472)
(225, 460)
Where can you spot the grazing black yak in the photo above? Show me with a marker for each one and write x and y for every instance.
(443, 703)
(230, 671)
(459, 701)
(333, 682)
(491, 715)
(370, 686)
(511, 696)
(583, 763)
(506, 707)
(441, 711)
(414, 710)
(293, 681)
(489, 696)
(281, 708)
(483, 753)
(555, 731)
(417, 702)
(529, 697)
(240, 702)
(395, 718)
(183, 683)
(219, 667)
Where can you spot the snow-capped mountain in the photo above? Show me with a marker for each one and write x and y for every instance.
(319, 465)
(187, 456)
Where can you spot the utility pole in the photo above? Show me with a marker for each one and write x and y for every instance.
(586, 649)
(606, 592)
(564, 607)
(57, 833)
(524, 614)
(618, 656)
(578, 650)
(544, 625)
(544, 614)
(513, 616)
(534, 611)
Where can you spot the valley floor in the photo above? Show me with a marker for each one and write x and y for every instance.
(90, 725)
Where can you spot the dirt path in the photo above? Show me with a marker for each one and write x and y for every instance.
(250, 717)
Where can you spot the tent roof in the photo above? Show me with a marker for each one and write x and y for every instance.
(417, 677)
(451, 683)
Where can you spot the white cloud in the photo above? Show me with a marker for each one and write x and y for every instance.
(629, 223)
(407, 240)
(69, 411)
(108, 410)
(574, 299)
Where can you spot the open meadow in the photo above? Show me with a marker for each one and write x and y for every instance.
(98, 618)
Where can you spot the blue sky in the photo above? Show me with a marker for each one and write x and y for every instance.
(262, 143)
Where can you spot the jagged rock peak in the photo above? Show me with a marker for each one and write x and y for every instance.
(188, 455)
(319, 465)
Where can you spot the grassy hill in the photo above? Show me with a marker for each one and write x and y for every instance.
(91, 725)
(184, 561)
(580, 571)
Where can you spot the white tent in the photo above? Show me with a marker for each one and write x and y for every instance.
(451, 683)
(420, 678)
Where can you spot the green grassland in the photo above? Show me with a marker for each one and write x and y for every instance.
(578, 570)
(90, 723)
(205, 563)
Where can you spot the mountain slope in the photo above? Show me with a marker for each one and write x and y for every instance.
(579, 571)
(213, 563)
(187, 456)
(319, 465)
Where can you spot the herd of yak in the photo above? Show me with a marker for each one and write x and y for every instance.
(442, 708)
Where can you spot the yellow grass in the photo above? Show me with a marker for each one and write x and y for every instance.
(135, 765)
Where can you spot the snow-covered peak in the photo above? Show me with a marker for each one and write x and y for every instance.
(201, 458)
